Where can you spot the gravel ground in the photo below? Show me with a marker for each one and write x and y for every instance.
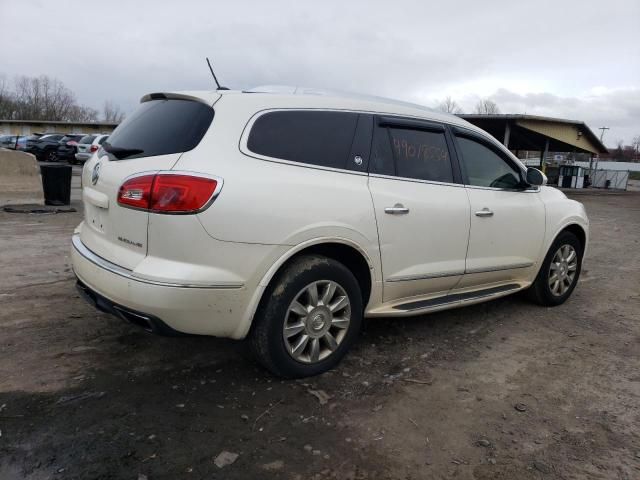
(502, 390)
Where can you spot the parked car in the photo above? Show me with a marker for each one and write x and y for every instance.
(87, 146)
(292, 216)
(9, 141)
(45, 148)
(67, 147)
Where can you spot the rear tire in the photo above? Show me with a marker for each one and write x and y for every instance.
(559, 273)
(50, 156)
(309, 317)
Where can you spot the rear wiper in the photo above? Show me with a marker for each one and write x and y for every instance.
(120, 152)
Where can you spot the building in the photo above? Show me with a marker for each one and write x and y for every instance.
(28, 127)
(521, 133)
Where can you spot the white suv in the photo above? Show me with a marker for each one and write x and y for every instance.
(288, 217)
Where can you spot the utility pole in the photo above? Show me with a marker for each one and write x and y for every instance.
(598, 157)
(602, 133)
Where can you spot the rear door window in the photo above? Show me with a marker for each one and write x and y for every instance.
(411, 153)
(160, 127)
(321, 138)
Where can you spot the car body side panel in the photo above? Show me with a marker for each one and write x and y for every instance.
(561, 212)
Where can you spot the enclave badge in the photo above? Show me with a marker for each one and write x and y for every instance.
(95, 175)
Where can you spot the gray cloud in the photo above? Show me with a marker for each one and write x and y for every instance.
(582, 61)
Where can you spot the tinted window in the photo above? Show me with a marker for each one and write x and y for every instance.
(421, 154)
(87, 139)
(160, 127)
(317, 138)
(381, 156)
(51, 138)
(103, 139)
(484, 167)
(410, 153)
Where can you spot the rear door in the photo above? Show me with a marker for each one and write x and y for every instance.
(150, 139)
(421, 208)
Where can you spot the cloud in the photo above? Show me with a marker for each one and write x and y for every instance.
(577, 62)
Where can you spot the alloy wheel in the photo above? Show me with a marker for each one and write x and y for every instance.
(317, 321)
(562, 271)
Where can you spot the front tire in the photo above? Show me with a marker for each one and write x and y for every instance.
(310, 315)
(559, 273)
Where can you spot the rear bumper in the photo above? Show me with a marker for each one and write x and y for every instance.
(83, 157)
(144, 320)
(181, 308)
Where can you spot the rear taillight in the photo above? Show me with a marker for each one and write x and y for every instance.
(136, 192)
(93, 148)
(72, 143)
(168, 192)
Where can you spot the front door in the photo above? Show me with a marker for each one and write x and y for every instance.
(421, 208)
(507, 220)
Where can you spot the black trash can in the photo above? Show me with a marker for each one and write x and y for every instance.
(56, 183)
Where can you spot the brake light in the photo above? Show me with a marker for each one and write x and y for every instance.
(72, 143)
(93, 148)
(136, 192)
(168, 192)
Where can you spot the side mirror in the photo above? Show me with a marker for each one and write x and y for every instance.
(535, 177)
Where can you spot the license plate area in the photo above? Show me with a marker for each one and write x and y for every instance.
(96, 217)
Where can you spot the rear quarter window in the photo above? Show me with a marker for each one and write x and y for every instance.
(319, 138)
(160, 127)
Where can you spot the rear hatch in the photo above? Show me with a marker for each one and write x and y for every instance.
(152, 138)
(84, 144)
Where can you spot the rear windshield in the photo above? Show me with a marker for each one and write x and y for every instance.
(160, 127)
(88, 139)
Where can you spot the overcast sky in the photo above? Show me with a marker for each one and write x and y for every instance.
(574, 59)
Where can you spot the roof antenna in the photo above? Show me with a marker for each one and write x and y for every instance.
(215, 79)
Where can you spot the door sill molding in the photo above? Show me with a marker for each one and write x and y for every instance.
(417, 307)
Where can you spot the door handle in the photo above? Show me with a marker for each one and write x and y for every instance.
(485, 212)
(397, 209)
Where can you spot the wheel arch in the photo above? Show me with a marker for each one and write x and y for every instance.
(345, 251)
(578, 230)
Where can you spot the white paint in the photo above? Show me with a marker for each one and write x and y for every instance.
(269, 209)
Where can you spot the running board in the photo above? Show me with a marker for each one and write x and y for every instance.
(456, 298)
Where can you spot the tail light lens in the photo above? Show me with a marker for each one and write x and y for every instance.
(168, 192)
(93, 148)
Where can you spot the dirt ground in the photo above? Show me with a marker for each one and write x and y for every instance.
(502, 390)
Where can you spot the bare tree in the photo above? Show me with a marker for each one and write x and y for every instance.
(111, 112)
(449, 105)
(80, 113)
(487, 107)
(7, 100)
(636, 147)
(43, 98)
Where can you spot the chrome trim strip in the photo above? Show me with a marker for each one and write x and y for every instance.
(408, 278)
(515, 190)
(129, 274)
(415, 180)
(499, 269)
